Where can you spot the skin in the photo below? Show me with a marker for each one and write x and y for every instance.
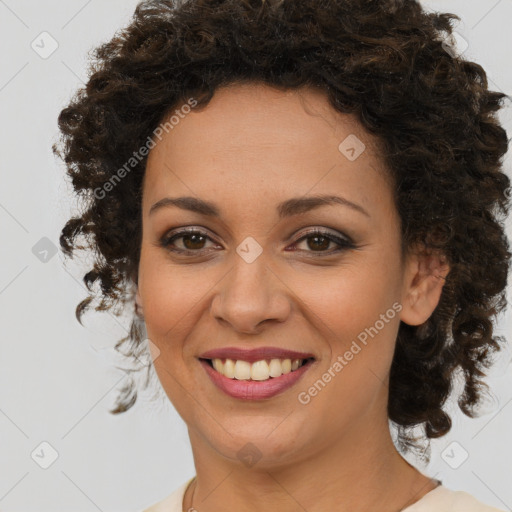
(252, 147)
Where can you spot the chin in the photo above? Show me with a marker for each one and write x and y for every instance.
(267, 442)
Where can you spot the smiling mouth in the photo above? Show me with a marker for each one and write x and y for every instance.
(262, 370)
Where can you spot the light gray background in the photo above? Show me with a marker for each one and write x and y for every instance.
(57, 378)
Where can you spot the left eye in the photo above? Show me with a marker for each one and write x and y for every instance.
(318, 240)
(193, 241)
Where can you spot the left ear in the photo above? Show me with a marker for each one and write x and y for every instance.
(424, 278)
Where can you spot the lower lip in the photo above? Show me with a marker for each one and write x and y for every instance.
(255, 389)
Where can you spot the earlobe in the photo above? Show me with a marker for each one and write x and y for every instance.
(138, 304)
(423, 283)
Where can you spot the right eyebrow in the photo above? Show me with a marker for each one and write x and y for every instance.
(187, 203)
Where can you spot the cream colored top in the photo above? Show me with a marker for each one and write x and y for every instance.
(440, 499)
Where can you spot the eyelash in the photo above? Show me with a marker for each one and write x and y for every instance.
(344, 243)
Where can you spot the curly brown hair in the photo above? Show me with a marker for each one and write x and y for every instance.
(391, 64)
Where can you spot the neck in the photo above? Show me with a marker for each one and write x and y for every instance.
(358, 472)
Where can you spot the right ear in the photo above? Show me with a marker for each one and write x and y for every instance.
(138, 304)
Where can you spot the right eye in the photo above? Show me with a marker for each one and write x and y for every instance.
(192, 240)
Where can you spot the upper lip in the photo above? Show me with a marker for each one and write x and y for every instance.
(252, 355)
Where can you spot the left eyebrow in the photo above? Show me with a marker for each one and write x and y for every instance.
(298, 205)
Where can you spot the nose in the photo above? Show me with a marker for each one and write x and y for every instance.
(250, 295)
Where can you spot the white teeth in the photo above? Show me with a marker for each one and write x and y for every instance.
(242, 370)
(228, 369)
(276, 369)
(259, 370)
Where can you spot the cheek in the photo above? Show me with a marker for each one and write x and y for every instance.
(355, 312)
(171, 296)
(346, 298)
(342, 301)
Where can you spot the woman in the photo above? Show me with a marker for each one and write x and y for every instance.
(303, 201)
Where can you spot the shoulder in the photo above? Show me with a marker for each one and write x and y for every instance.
(442, 499)
(171, 503)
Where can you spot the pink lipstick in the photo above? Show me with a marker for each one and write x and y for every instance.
(260, 388)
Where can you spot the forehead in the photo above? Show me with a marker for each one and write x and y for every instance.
(251, 116)
(254, 140)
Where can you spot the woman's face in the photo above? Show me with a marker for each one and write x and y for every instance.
(252, 278)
